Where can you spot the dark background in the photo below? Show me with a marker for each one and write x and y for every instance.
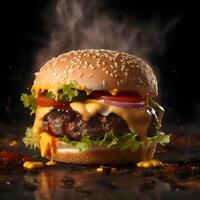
(22, 28)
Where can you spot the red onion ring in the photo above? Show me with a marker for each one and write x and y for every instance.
(125, 104)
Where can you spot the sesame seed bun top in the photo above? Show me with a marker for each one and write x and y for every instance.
(98, 69)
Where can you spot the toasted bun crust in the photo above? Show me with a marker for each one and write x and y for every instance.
(104, 156)
(98, 70)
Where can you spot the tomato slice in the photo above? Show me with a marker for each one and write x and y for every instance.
(46, 102)
(130, 97)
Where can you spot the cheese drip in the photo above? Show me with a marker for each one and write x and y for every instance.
(46, 140)
(137, 119)
(39, 115)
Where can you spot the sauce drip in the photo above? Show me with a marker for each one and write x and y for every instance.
(149, 163)
(32, 164)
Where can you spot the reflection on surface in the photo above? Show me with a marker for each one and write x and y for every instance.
(79, 184)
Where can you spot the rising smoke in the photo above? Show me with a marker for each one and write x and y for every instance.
(82, 24)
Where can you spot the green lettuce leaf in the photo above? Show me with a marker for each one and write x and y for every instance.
(126, 141)
(129, 141)
(50, 95)
(161, 138)
(84, 144)
(29, 102)
(109, 140)
(68, 91)
(30, 139)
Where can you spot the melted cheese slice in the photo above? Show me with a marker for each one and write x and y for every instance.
(137, 119)
(45, 143)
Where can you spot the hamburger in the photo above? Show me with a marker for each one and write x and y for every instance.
(95, 106)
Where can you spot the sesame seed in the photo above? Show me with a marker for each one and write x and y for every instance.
(93, 67)
(107, 72)
(65, 72)
(126, 74)
(103, 83)
(78, 66)
(126, 70)
(80, 75)
(91, 75)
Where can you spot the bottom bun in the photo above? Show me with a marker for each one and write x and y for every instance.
(101, 155)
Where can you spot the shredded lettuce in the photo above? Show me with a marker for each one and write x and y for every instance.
(29, 102)
(30, 139)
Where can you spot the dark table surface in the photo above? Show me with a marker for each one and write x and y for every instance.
(179, 178)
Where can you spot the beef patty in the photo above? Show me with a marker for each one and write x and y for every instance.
(60, 122)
